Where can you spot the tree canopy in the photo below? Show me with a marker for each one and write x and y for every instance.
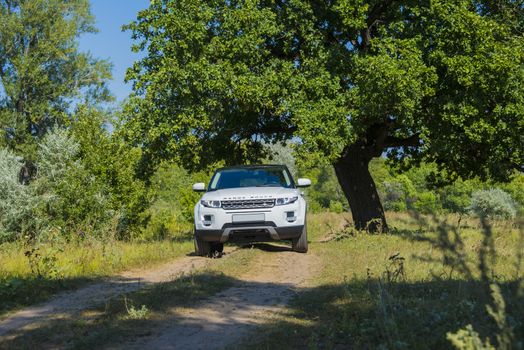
(42, 72)
(349, 80)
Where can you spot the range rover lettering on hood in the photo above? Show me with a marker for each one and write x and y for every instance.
(247, 197)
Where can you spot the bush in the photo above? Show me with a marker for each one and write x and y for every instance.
(113, 163)
(336, 207)
(397, 193)
(165, 221)
(493, 204)
(515, 188)
(57, 153)
(171, 213)
(15, 199)
(427, 203)
(394, 197)
(325, 190)
(70, 199)
(85, 184)
(456, 198)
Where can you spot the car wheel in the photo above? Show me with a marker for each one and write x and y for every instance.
(202, 248)
(300, 244)
(217, 247)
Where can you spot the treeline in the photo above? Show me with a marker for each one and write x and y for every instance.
(415, 190)
(171, 212)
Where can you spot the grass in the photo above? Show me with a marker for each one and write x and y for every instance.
(397, 290)
(54, 268)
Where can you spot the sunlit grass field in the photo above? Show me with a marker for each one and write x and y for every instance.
(26, 280)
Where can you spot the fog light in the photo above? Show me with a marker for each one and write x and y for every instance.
(208, 220)
(290, 216)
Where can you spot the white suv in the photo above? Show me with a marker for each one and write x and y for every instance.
(250, 204)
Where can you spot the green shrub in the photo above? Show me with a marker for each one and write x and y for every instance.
(156, 228)
(515, 188)
(493, 203)
(336, 207)
(313, 206)
(16, 205)
(113, 163)
(397, 193)
(394, 196)
(69, 193)
(324, 190)
(70, 199)
(171, 212)
(456, 197)
(427, 203)
(165, 221)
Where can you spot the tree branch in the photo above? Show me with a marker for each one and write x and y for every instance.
(412, 141)
(377, 11)
(374, 16)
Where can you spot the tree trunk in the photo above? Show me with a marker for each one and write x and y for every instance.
(352, 170)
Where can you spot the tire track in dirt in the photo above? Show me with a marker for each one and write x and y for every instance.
(67, 303)
(231, 315)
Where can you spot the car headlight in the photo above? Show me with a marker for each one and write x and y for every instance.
(286, 200)
(210, 204)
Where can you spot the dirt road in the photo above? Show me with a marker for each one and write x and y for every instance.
(213, 323)
(83, 298)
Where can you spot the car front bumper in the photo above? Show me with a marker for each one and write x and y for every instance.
(263, 231)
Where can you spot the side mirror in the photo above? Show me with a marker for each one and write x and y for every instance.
(199, 187)
(303, 182)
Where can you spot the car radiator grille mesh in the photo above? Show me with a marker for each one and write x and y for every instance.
(248, 204)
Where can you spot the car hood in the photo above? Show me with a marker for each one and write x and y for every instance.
(250, 193)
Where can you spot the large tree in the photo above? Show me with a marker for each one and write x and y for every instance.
(349, 80)
(42, 72)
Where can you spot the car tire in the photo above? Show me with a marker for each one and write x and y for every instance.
(217, 247)
(299, 244)
(202, 248)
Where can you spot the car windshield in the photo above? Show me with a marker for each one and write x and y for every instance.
(251, 177)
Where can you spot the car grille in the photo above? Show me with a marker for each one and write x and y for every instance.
(248, 204)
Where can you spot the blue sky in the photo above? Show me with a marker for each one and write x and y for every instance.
(110, 42)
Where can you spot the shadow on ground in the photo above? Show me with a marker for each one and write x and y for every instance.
(19, 292)
(271, 248)
(369, 315)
